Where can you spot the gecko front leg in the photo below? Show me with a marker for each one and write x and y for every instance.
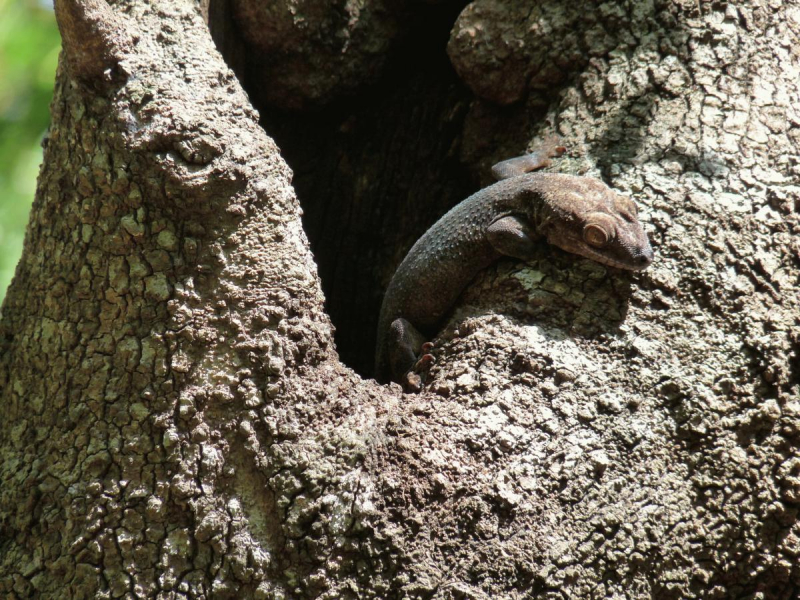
(513, 236)
(538, 159)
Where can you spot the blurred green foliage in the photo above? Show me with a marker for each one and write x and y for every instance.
(29, 46)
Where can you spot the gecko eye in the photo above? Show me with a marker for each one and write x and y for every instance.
(594, 235)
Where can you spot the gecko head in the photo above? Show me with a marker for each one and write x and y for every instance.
(594, 221)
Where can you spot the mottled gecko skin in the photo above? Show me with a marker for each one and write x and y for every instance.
(578, 214)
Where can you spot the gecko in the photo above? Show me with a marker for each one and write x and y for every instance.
(580, 215)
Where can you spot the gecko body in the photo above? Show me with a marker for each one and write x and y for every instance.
(578, 214)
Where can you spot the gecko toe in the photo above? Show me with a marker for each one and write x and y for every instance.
(412, 383)
(424, 363)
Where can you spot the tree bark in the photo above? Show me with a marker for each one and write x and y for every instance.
(178, 423)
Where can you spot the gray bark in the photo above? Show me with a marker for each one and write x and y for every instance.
(177, 422)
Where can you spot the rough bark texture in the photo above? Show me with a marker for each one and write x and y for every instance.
(165, 305)
(176, 419)
(316, 48)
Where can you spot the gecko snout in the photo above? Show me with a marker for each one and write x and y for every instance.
(643, 259)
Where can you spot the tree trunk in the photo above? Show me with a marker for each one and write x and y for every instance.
(177, 421)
